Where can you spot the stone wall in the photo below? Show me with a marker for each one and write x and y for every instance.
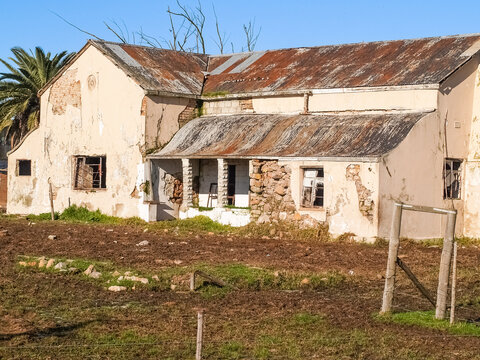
(365, 202)
(270, 196)
(173, 187)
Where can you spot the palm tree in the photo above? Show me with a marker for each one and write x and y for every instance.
(19, 103)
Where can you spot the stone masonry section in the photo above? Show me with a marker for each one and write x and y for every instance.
(365, 202)
(222, 183)
(174, 187)
(187, 183)
(270, 197)
(65, 91)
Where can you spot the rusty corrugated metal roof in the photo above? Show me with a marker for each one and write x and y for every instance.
(385, 63)
(158, 69)
(272, 135)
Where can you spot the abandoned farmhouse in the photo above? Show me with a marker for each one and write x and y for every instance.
(329, 134)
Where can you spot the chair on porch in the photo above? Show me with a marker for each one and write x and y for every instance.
(212, 194)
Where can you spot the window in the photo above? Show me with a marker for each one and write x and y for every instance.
(90, 172)
(452, 178)
(312, 189)
(24, 167)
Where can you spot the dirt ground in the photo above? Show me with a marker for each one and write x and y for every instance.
(46, 315)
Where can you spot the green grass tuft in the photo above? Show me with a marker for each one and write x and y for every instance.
(427, 319)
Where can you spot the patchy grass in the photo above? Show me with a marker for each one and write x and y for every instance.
(285, 229)
(202, 208)
(198, 224)
(237, 207)
(438, 242)
(76, 213)
(427, 319)
(193, 225)
(237, 276)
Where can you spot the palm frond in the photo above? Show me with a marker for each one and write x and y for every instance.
(27, 73)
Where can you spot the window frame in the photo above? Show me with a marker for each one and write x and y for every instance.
(448, 193)
(99, 176)
(17, 167)
(317, 180)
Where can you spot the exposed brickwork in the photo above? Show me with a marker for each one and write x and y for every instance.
(65, 91)
(143, 109)
(235, 106)
(270, 196)
(246, 104)
(189, 113)
(365, 202)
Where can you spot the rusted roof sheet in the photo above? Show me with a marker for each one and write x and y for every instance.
(158, 69)
(386, 63)
(317, 136)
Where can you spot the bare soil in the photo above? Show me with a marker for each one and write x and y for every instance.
(53, 311)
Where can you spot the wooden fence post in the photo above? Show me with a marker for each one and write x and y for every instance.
(454, 284)
(50, 194)
(445, 261)
(200, 324)
(392, 258)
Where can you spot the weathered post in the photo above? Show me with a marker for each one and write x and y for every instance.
(198, 354)
(192, 281)
(50, 195)
(392, 258)
(444, 273)
(454, 284)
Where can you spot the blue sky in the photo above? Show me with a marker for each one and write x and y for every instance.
(284, 23)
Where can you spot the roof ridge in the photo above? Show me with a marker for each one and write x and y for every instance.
(146, 47)
(292, 48)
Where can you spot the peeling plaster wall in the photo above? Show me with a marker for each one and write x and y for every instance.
(342, 208)
(162, 119)
(92, 109)
(471, 172)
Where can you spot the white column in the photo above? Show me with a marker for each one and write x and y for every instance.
(222, 183)
(187, 183)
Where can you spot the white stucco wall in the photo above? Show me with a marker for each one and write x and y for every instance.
(93, 109)
(471, 174)
(341, 199)
(413, 173)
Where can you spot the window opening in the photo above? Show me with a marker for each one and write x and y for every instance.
(452, 179)
(24, 167)
(90, 172)
(313, 188)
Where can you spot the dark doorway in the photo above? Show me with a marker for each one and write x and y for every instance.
(231, 185)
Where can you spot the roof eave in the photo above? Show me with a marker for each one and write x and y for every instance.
(370, 159)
